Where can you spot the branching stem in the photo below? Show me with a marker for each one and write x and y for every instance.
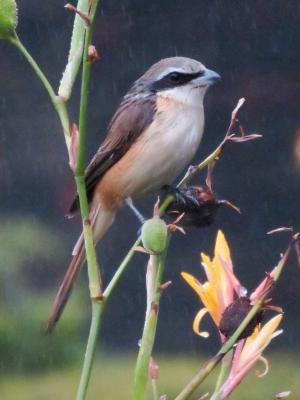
(59, 105)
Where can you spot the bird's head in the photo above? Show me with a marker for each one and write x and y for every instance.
(182, 79)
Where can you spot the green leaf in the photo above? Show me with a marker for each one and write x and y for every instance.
(8, 19)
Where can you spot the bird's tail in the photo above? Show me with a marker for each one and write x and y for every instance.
(101, 221)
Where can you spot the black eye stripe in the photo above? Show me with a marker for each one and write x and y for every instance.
(173, 79)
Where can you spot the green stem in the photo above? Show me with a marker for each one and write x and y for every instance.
(154, 389)
(97, 312)
(225, 368)
(155, 271)
(119, 272)
(75, 53)
(95, 283)
(200, 377)
(59, 106)
(93, 268)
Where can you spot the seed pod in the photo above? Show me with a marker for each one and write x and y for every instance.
(8, 19)
(154, 235)
(234, 315)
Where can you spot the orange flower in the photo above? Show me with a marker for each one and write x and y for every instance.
(221, 287)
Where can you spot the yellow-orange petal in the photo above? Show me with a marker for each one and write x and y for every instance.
(197, 322)
(221, 248)
(207, 294)
(259, 340)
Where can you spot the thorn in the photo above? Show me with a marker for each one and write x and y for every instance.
(173, 228)
(276, 309)
(164, 286)
(83, 15)
(240, 103)
(93, 54)
(281, 229)
(242, 139)
(153, 370)
(141, 249)
(229, 204)
(156, 208)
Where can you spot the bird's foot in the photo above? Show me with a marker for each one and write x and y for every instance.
(136, 212)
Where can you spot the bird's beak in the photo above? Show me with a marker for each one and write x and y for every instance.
(211, 77)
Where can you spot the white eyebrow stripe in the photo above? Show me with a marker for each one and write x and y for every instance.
(169, 70)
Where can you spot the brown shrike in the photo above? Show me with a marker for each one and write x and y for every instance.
(152, 137)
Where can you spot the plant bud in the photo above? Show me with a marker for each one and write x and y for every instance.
(154, 235)
(8, 19)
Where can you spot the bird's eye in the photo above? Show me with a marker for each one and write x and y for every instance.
(174, 77)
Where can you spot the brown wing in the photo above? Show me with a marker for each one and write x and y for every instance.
(131, 118)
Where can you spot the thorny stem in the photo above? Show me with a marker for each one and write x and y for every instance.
(95, 283)
(75, 53)
(227, 346)
(155, 271)
(59, 106)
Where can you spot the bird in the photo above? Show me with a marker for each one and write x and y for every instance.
(153, 135)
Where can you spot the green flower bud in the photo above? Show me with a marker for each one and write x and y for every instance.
(8, 19)
(154, 235)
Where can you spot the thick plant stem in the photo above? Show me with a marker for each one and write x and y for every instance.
(225, 368)
(75, 53)
(200, 377)
(97, 312)
(95, 283)
(93, 269)
(59, 106)
(155, 271)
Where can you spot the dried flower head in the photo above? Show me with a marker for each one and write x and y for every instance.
(234, 315)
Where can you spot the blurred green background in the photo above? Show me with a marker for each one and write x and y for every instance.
(254, 46)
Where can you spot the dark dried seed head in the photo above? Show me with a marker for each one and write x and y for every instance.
(233, 316)
(197, 203)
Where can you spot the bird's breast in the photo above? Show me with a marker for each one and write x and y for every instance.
(159, 155)
(167, 146)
